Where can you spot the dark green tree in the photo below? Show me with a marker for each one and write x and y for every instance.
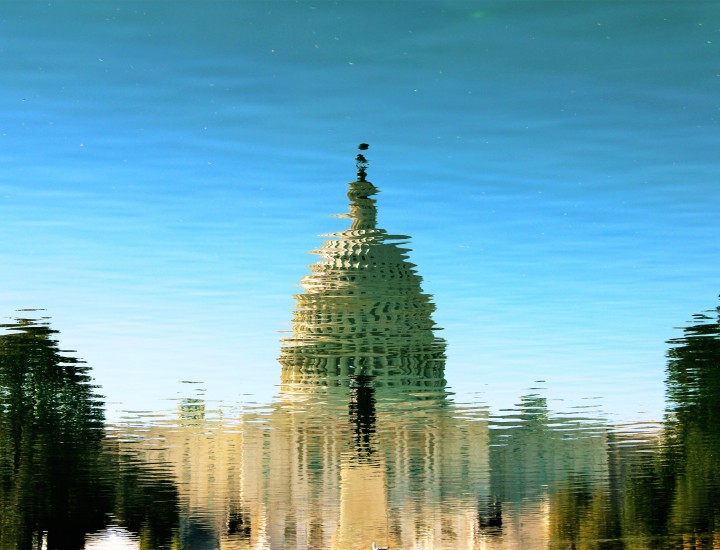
(51, 429)
(60, 477)
(691, 458)
(673, 499)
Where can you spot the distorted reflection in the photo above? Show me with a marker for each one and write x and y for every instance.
(363, 312)
(60, 479)
(677, 494)
(50, 442)
(537, 456)
(692, 432)
(365, 445)
(363, 393)
(667, 494)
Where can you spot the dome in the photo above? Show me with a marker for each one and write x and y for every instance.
(362, 310)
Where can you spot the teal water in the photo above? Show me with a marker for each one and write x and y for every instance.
(166, 168)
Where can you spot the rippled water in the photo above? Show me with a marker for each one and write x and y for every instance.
(353, 451)
(364, 442)
(164, 383)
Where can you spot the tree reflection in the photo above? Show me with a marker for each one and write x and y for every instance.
(50, 443)
(667, 497)
(59, 476)
(688, 475)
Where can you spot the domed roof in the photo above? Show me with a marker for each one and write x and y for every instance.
(363, 310)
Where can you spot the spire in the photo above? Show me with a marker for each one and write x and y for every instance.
(361, 162)
(363, 211)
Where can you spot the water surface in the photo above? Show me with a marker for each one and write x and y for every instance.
(165, 168)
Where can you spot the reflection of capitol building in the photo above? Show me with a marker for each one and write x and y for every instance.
(363, 444)
(364, 396)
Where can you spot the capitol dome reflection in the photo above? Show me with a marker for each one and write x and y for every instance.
(364, 443)
(363, 311)
(363, 388)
